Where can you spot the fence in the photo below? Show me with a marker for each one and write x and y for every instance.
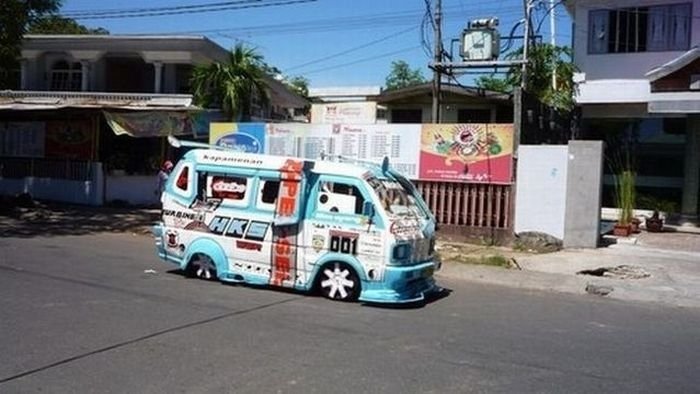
(17, 168)
(473, 205)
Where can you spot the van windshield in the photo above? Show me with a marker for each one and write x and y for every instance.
(394, 198)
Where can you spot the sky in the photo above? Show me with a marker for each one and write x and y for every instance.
(329, 42)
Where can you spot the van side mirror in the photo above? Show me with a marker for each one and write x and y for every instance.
(368, 209)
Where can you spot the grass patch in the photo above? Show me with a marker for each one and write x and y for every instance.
(493, 260)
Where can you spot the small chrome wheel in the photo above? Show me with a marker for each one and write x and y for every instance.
(202, 267)
(339, 282)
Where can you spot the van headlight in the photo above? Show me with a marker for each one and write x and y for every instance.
(401, 253)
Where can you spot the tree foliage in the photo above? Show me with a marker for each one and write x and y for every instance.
(56, 24)
(15, 17)
(543, 60)
(233, 84)
(401, 76)
(298, 85)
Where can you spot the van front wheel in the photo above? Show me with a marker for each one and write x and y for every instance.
(339, 282)
(202, 267)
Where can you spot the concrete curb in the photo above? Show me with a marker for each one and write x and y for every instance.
(638, 290)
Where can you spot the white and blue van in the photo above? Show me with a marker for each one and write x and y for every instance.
(352, 231)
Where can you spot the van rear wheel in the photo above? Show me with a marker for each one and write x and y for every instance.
(202, 267)
(339, 281)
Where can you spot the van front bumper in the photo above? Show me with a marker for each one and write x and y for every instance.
(403, 284)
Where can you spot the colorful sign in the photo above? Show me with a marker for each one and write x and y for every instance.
(480, 153)
(242, 137)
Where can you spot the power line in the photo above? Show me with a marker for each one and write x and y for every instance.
(153, 9)
(239, 6)
(366, 59)
(345, 52)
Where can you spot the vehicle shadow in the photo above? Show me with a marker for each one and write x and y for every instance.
(429, 298)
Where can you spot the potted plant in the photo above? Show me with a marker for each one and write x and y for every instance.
(625, 196)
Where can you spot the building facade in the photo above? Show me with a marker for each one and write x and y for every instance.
(638, 90)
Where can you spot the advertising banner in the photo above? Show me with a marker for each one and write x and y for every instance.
(479, 153)
(149, 123)
(69, 139)
(242, 137)
(345, 113)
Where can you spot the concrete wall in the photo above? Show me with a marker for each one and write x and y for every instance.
(540, 200)
(584, 194)
(558, 191)
(136, 190)
(87, 192)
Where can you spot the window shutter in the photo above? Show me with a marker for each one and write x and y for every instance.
(598, 31)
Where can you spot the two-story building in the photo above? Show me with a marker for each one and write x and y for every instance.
(67, 133)
(639, 86)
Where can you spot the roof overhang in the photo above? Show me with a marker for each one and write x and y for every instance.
(674, 65)
(426, 89)
(37, 100)
(674, 103)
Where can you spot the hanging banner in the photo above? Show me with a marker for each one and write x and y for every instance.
(480, 153)
(69, 139)
(242, 137)
(149, 123)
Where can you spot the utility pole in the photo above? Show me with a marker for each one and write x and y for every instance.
(553, 38)
(527, 4)
(438, 60)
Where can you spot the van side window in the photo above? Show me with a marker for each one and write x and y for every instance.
(267, 195)
(336, 197)
(183, 179)
(228, 189)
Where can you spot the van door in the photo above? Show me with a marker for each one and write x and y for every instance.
(336, 224)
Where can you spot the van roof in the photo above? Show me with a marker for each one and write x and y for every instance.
(217, 157)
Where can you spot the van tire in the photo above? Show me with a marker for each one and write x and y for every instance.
(339, 281)
(201, 266)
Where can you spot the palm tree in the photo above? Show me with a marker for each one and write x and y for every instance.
(231, 85)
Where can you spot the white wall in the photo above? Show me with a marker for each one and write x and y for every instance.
(62, 190)
(136, 190)
(540, 200)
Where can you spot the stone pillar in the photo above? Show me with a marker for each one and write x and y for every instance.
(158, 76)
(85, 75)
(24, 74)
(691, 173)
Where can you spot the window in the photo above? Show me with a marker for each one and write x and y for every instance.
(227, 188)
(66, 76)
(334, 197)
(640, 29)
(406, 116)
(267, 196)
(183, 179)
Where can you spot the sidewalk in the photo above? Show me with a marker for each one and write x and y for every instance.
(661, 268)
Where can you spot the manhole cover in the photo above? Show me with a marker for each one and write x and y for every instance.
(619, 272)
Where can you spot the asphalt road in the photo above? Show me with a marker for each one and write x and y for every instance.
(79, 314)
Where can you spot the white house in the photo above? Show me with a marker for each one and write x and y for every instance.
(640, 76)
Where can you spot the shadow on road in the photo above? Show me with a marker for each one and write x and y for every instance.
(42, 219)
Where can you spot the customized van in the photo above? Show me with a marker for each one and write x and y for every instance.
(349, 230)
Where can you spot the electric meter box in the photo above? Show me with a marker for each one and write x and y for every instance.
(480, 44)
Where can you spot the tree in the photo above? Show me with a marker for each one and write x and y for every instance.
(15, 16)
(298, 85)
(543, 60)
(231, 85)
(55, 24)
(402, 76)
